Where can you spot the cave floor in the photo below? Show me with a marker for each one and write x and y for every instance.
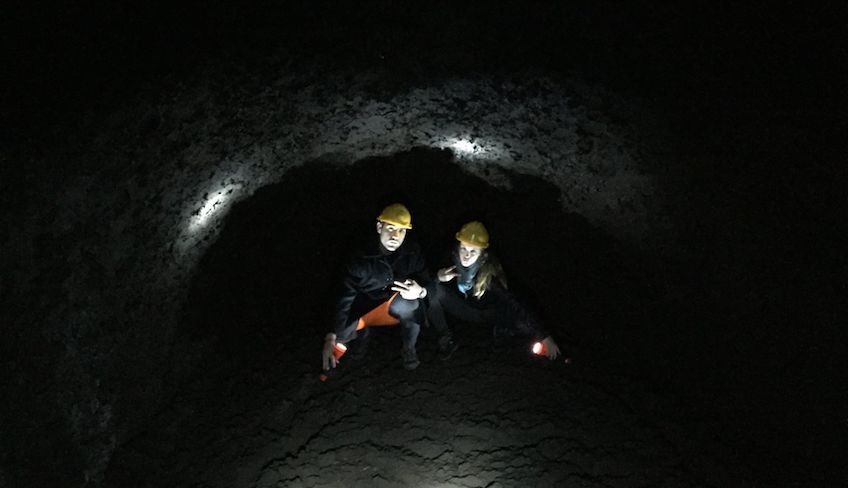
(487, 417)
(490, 416)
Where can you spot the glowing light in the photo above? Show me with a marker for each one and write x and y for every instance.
(215, 202)
(339, 350)
(538, 348)
(476, 148)
(463, 146)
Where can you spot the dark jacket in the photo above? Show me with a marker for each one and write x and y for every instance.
(370, 275)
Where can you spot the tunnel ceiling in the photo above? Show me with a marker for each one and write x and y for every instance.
(599, 148)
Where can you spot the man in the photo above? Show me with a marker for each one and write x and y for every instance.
(383, 286)
(474, 289)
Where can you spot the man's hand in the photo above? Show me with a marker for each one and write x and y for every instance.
(551, 348)
(409, 289)
(328, 360)
(447, 274)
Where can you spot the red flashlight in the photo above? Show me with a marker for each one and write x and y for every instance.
(540, 350)
(338, 350)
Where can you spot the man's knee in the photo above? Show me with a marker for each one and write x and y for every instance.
(402, 308)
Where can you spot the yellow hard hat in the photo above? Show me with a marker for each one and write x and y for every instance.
(396, 214)
(474, 234)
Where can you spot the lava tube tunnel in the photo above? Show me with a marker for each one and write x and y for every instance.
(185, 187)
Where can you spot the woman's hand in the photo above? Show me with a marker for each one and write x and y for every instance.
(550, 347)
(447, 274)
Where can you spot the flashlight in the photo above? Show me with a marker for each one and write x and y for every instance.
(539, 349)
(338, 351)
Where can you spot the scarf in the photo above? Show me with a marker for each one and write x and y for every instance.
(465, 280)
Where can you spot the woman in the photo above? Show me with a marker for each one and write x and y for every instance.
(474, 289)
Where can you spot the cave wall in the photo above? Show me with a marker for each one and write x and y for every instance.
(115, 196)
(101, 267)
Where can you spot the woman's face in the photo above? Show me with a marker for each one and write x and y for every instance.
(468, 254)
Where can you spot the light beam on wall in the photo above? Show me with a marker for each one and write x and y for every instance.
(466, 148)
(215, 204)
(463, 146)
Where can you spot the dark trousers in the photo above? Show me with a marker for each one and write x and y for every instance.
(406, 311)
(446, 299)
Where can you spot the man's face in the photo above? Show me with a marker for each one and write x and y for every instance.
(468, 255)
(391, 236)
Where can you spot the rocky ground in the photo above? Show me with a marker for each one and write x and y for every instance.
(486, 418)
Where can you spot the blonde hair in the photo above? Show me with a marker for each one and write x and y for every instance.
(490, 270)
